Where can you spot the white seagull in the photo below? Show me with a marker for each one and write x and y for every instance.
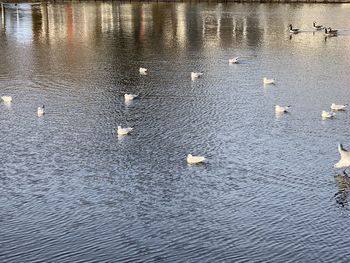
(6, 98)
(143, 71)
(327, 114)
(124, 131)
(196, 75)
(282, 109)
(129, 97)
(233, 60)
(344, 161)
(338, 107)
(41, 111)
(268, 81)
(195, 159)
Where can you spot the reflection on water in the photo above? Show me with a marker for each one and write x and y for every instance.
(221, 24)
(343, 184)
(72, 190)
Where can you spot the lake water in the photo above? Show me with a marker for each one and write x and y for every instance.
(71, 190)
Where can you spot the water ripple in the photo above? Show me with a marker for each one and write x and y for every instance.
(72, 190)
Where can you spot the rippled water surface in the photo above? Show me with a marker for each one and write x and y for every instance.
(71, 190)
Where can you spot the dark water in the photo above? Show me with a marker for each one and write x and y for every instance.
(72, 191)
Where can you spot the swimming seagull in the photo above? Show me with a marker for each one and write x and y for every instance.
(282, 109)
(124, 131)
(195, 159)
(196, 75)
(129, 97)
(317, 27)
(143, 71)
(344, 161)
(6, 98)
(233, 60)
(327, 115)
(269, 81)
(293, 30)
(338, 107)
(41, 111)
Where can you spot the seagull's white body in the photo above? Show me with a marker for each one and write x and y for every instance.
(6, 98)
(196, 75)
(327, 114)
(129, 97)
(293, 30)
(233, 60)
(338, 107)
(344, 161)
(269, 81)
(281, 108)
(317, 27)
(41, 111)
(124, 131)
(195, 159)
(143, 71)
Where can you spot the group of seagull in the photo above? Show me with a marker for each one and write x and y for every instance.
(324, 114)
(278, 109)
(345, 155)
(328, 31)
(120, 131)
(344, 161)
(191, 159)
(8, 100)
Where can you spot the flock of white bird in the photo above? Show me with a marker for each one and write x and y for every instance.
(344, 161)
(278, 109)
(191, 159)
(127, 130)
(8, 100)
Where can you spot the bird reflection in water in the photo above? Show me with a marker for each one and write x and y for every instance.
(343, 183)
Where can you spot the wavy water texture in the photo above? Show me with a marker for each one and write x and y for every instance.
(72, 190)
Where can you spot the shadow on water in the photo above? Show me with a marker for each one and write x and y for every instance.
(343, 184)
